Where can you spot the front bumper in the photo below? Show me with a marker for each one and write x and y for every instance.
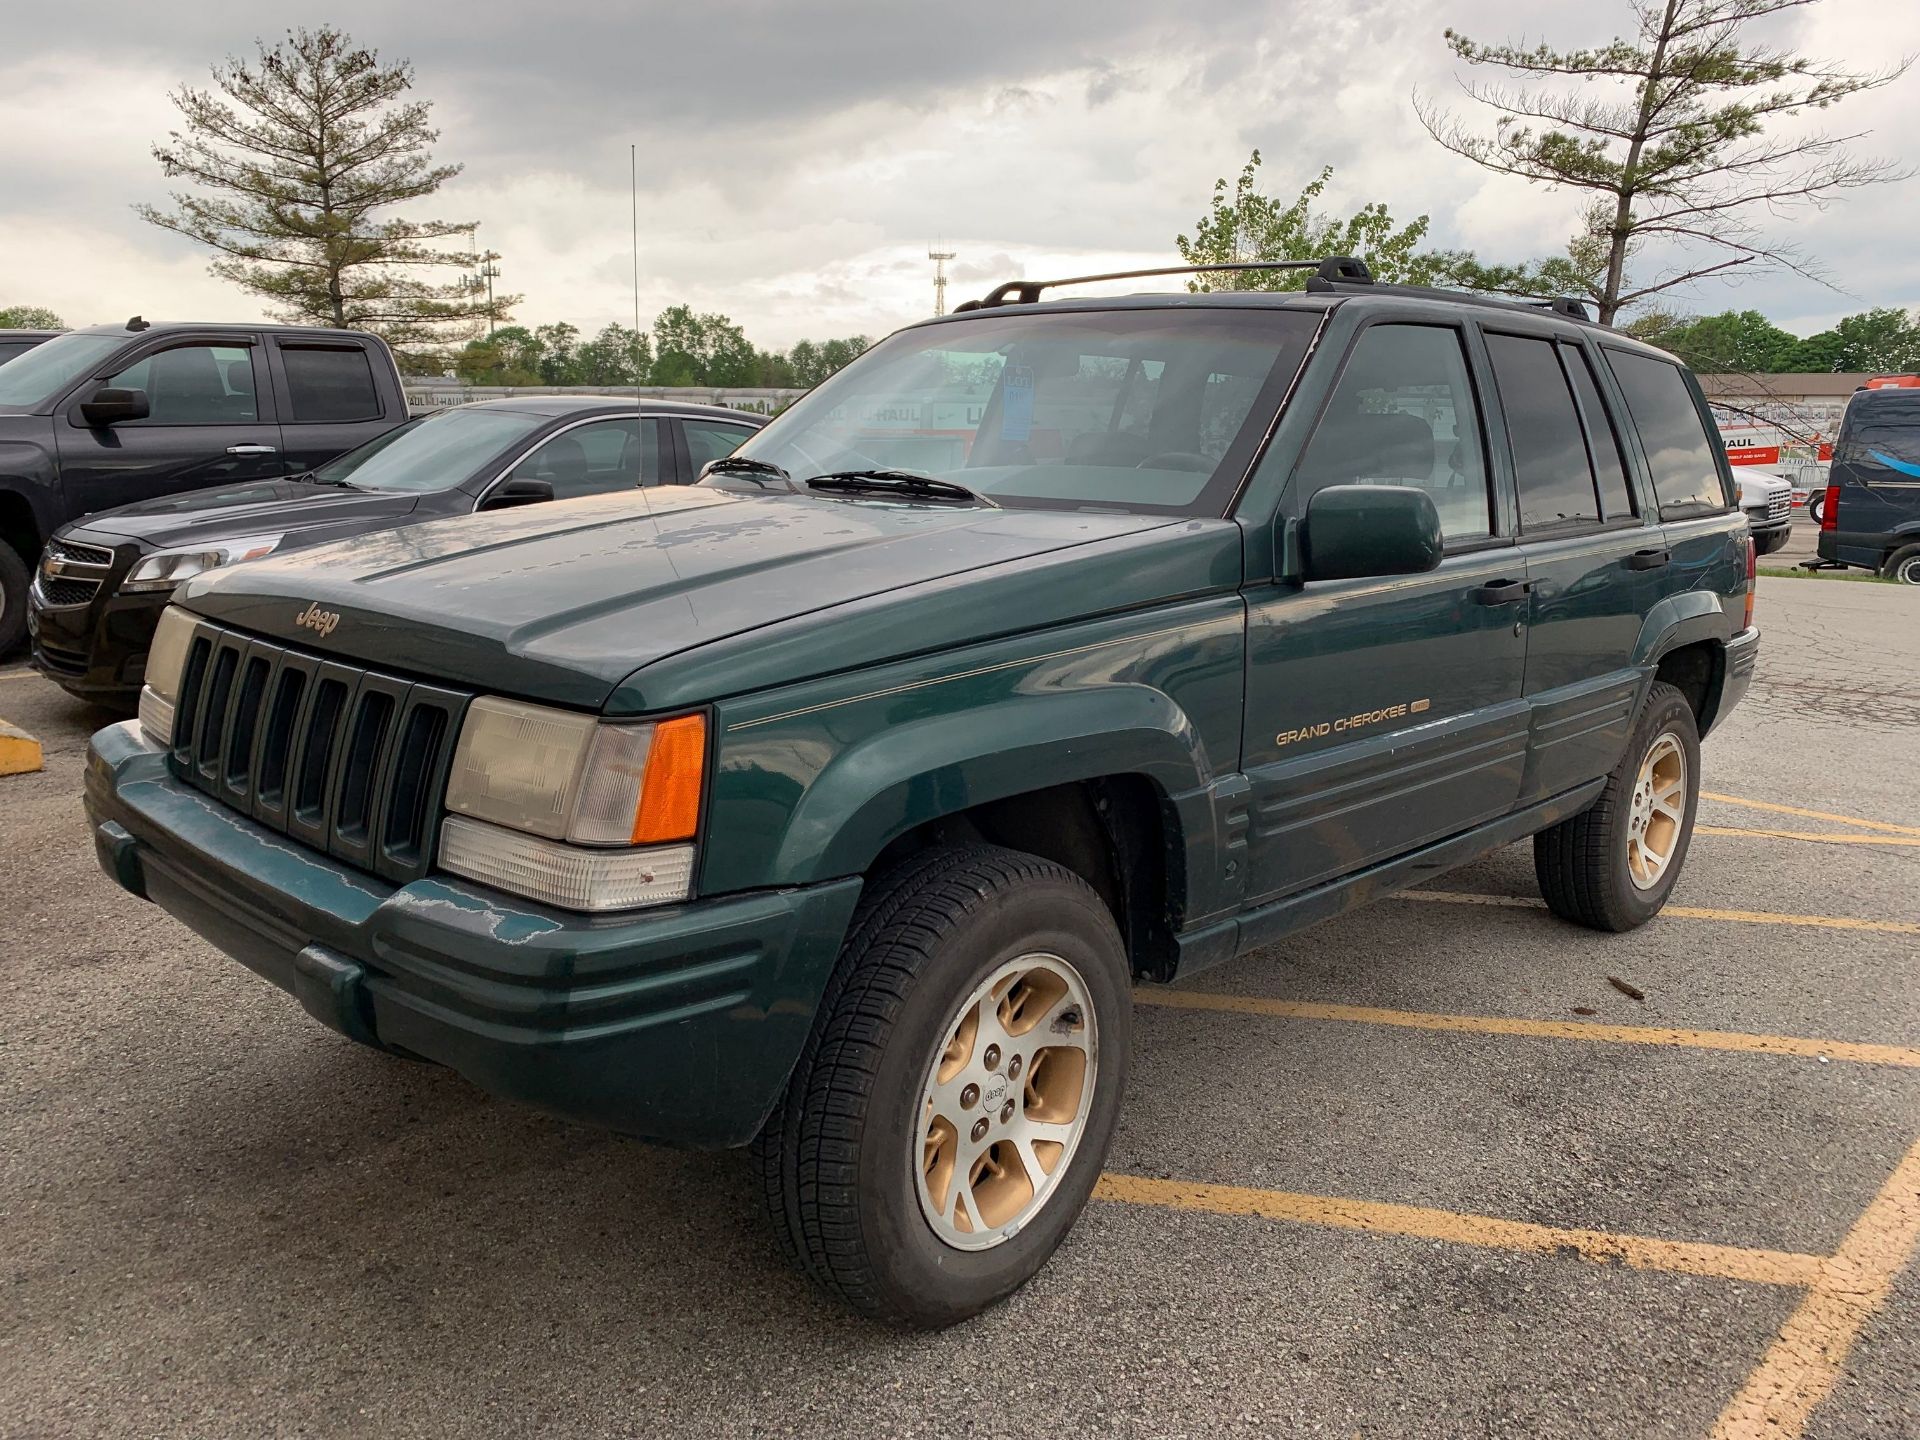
(679, 1024)
(97, 650)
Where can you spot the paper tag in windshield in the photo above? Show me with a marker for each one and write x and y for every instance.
(1016, 403)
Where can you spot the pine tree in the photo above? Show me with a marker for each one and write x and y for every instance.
(1667, 133)
(299, 159)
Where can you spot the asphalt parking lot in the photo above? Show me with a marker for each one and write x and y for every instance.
(1424, 1171)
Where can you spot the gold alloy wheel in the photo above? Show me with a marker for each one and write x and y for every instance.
(1006, 1101)
(1659, 810)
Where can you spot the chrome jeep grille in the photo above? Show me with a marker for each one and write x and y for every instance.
(348, 760)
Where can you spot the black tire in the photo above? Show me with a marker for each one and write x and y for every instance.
(1582, 862)
(837, 1158)
(14, 579)
(1903, 565)
(1816, 505)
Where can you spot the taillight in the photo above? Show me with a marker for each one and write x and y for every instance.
(1830, 509)
(1753, 581)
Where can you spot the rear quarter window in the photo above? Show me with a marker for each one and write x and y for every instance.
(1681, 455)
(330, 385)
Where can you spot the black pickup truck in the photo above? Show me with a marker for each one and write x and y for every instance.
(103, 417)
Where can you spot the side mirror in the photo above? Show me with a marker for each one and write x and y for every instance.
(519, 490)
(109, 405)
(1352, 531)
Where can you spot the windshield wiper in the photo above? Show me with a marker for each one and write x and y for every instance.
(749, 468)
(897, 482)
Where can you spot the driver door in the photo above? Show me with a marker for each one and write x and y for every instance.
(211, 422)
(1386, 713)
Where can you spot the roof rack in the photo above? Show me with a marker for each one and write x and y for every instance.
(1342, 269)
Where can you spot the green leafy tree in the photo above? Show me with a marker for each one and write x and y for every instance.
(1742, 342)
(1880, 340)
(618, 355)
(1243, 224)
(298, 160)
(29, 317)
(559, 353)
(1668, 133)
(510, 356)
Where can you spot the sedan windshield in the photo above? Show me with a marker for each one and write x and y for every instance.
(436, 452)
(1142, 410)
(44, 371)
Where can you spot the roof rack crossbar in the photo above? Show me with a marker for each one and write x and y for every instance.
(1341, 268)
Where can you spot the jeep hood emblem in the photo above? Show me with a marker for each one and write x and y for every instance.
(316, 619)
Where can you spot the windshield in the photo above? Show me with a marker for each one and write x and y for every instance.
(46, 370)
(1154, 411)
(1880, 433)
(435, 452)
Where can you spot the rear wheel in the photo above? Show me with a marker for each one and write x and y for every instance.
(14, 578)
(1903, 565)
(1817, 506)
(950, 1115)
(1612, 866)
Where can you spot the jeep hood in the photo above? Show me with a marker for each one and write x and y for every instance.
(562, 602)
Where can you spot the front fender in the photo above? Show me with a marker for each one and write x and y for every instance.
(902, 777)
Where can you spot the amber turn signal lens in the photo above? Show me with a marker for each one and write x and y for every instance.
(670, 796)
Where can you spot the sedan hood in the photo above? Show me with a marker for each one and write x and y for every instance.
(563, 601)
(254, 507)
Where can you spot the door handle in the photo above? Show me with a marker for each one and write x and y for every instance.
(252, 450)
(1503, 592)
(1648, 559)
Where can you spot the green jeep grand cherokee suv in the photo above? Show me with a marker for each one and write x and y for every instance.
(834, 804)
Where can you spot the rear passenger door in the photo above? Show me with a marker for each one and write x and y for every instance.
(1384, 713)
(706, 440)
(1592, 560)
(329, 400)
(1692, 485)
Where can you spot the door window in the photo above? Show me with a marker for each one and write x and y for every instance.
(1681, 455)
(1550, 461)
(1404, 414)
(1603, 443)
(711, 440)
(597, 458)
(194, 385)
(330, 385)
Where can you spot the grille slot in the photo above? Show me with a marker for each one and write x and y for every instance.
(79, 554)
(63, 590)
(349, 761)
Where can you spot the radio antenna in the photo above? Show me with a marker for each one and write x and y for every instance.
(633, 185)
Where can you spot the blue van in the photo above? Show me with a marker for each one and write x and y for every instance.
(1872, 514)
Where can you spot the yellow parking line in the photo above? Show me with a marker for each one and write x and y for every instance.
(1811, 814)
(1848, 1050)
(17, 674)
(1683, 912)
(1642, 1252)
(1825, 838)
(1811, 1350)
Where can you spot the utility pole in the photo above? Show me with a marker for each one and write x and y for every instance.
(940, 258)
(486, 274)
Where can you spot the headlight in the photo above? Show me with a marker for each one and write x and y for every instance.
(165, 569)
(594, 792)
(166, 661)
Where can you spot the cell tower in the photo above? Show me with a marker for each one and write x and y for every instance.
(940, 258)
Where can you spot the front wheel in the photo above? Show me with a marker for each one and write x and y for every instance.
(950, 1115)
(1612, 866)
(14, 579)
(1903, 565)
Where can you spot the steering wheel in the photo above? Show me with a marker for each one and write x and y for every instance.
(1175, 460)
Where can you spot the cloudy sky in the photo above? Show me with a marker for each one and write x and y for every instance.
(797, 159)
